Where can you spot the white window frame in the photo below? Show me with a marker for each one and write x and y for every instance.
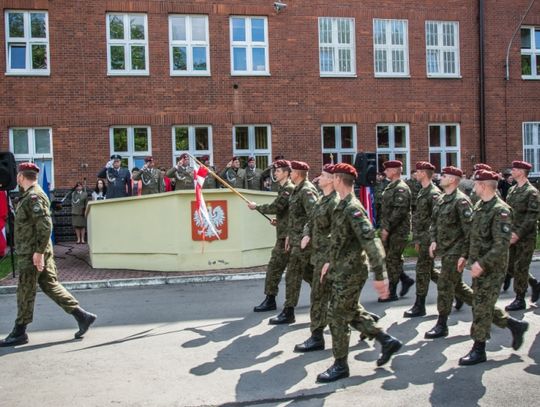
(533, 52)
(192, 143)
(338, 151)
(127, 43)
(443, 149)
(248, 44)
(442, 49)
(28, 41)
(389, 47)
(189, 44)
(533, 156)
(251, 151)
(391, 150)
(130, 154)
(335, 46)
(32, 155)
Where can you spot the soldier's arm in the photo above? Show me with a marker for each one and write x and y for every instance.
(39, 211)
(309, 200)
(465, 212)
(102, 173)
(171, 172)
(401, 206)
(433, 229)
(501, 230)
(531, 216)
(277, 205)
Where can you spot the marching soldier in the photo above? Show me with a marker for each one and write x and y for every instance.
(269, 181)
(253, 175)
(35, 259)
(151, 178)
(181, 174)
(233, 174)
(491, 232)
(279, 257)
(476, 167)
(118, 178)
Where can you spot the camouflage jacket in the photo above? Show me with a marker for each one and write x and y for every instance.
(253, 179)
(280, 208)
(490, 235)
(301, 203)
(182, 177)
(524, 202)
(319, 224)
(421, 218)
(380, 186)
(234, 177)
(152, 180)
(396, 208)
(33, 224)
(352, 237)
(451, 224)
(415, 188)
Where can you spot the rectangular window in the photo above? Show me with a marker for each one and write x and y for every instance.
(189, 45)
(393, 144)
(35, 145)
(253, 141)
(127, 44)
(132, 143)
(338, 143)
(444, 145)
(27, 43)
(442, 49)
(337, 47)
(195, 140)
(249, 46)
(530, 52)
(531, 146)
(391, 49)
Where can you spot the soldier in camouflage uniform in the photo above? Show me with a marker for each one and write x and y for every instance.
(524, 199)
(395, 227)
(352, 238)
(279, 257)
(301, 203)
(151, 177)
(35, 259)
(253, 175)
(476, 167)
(491, 231)
(233, 174)
(415, 187)
(317, 234)
(181, 174)
(269, 181)
(421, 221)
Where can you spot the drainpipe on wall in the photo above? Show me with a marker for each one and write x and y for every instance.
(482, 96)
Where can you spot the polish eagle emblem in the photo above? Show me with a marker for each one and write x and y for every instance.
(217, 218)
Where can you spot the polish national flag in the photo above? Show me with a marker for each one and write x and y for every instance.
(199, 175)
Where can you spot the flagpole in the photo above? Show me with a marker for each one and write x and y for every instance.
(227, 185)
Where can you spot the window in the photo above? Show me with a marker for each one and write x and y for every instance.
(195, 140)
(530, 53)
(34, 144)
(444, 145)
(531, 146)
(189, 46)
(390, 43)
(132, 143)
(336, 47)
(338, 143)
(442, 49)
(393, 144)
(249, 46)
(252, 141)
(27, 43)
(127, 44)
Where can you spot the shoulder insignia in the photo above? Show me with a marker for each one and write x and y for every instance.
(36, 208)
(33, 197)
(435, 196)
(401, 190)
(467, 213)
(464, 202)
(366, 227)
(504, 214)
(309, 193)
(358, 214)
(505, 227)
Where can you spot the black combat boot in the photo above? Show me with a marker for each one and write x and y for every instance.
(535, 286)
(18, 336)
(84, 319)
(285, 317)
(440, 329)
(393, 296)
(269, 304)
(458, 304)
(518, 304)
(475, 356)
(314, 342)
(339, 370)
(418, 309)
(406, 283)
(389, 344)
(507, 281)
(518, 329)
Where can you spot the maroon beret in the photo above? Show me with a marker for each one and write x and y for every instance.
(235, 158)
(392, 164)
(299, 165)
(329, 168)
(205, 158)
(148, 158)
(282, 164)
(452, 171)
(184, 155)
(279, 157)
(251, 159)
(522, 165)
(28, 167)
(482, 166)
(344, 168)
(424, 165)
(485, 175)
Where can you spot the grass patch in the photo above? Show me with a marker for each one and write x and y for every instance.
(5, 266)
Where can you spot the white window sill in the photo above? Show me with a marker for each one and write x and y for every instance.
(432, 76)
(338, 75)
(392, 76)
(28, 73)
(250, 74)
(530, 78)
(128, 74)
(179, 73)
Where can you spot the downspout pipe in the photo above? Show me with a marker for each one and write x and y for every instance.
(482, 95)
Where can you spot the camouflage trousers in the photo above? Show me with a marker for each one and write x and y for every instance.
(276, 266)
(518, 266)
(450, 285)
(425, 271)
(320, 296)
(298, 269)
(345, 310)
(29, 278)
(394, 246)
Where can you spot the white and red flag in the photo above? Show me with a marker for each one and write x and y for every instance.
(200, 173)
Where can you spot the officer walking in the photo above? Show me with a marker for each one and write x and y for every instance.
(181, 174)
(118, 178)
(151, 177)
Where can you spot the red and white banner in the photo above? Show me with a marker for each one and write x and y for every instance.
(199, 175)
(3, 221)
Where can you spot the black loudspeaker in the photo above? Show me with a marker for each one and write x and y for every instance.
(8, 171)
(366, 166)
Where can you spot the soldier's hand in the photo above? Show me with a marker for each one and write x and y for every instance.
(252, 205)
(384, 235)
(287, 246)
(476, 270)
(462, 261)
(109, 164)
(324, 271)
(39, 261)
(382, 288)
(514, 238)
(304, 242)
(432, 249)
(273, 222)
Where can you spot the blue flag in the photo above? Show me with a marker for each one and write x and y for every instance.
(46, 188)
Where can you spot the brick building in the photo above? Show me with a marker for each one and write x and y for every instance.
(313, 80)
